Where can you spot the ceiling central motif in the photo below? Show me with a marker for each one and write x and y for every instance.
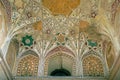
(58, 7)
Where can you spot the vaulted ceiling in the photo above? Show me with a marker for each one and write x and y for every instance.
(60, 22)
(61, 19)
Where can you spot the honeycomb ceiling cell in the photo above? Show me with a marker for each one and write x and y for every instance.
(84, 24)
(61, 7)
(37, 26)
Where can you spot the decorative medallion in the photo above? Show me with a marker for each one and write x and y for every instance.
(61, 38)
(27, 40)
(92, 66)
(93, 14)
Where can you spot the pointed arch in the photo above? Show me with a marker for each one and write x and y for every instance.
(26, 52)
(92, 66)
(31, 60)
(60, 57)
(28, 65)
(62, 49)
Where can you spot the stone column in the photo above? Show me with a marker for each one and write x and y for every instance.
(41, 66)
(5, 67)
(79, 68)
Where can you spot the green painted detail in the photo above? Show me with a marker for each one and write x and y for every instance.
(58, 43)
(63, 43)
(27, 40)
(55, 38)
(66, 39)
(57, 33)
(91, 43)
(63, 33)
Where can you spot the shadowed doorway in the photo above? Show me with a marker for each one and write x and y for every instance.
(60, 72)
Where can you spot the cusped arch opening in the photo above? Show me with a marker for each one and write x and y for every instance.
(28, 65)
(92, 66)
(29, 52)
(59, 63)
(60, 49)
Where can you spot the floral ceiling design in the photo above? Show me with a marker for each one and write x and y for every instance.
(27, 40)
(79, 25)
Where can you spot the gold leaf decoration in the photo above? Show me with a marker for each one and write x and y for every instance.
(38, 26)
(63, 7)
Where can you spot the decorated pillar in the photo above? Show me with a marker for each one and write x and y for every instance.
(41, 66)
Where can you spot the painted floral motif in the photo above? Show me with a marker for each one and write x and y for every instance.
(27, 40)
(28, 66)
(92, 66)
(61, 39)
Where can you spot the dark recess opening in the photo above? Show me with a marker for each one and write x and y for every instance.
(60, 72)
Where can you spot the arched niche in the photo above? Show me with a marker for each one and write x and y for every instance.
(12, 53)
(27, 52)
(3, 24)
(110, 55)
(28, 64)
(92, 66)
(59, 63)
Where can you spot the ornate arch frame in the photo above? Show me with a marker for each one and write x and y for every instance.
(24, 54)
(97, 55)
(56, 52)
